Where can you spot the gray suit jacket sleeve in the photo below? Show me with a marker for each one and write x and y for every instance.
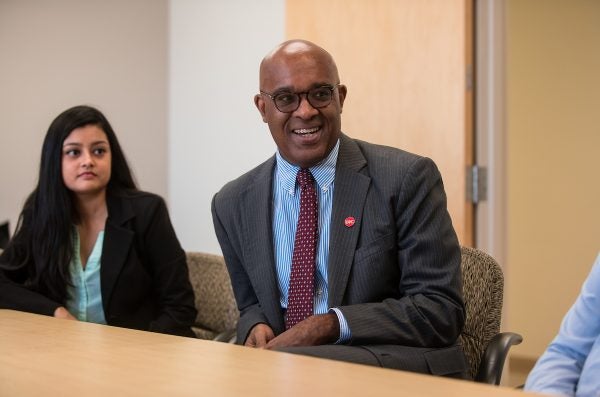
(242, 219)
(250, 309)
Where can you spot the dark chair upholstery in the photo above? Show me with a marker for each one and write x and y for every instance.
(217, 311)
(483, 286)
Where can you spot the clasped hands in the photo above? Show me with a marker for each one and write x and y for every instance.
(315, 330)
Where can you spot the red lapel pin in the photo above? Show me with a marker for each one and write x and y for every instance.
(349, 221)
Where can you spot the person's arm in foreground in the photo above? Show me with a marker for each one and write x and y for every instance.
(558, 370)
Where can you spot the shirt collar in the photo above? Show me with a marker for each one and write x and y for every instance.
(324, 172)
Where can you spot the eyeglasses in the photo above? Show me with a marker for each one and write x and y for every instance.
(288, 102)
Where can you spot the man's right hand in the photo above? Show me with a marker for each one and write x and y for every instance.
(61, 312)
(259, 336)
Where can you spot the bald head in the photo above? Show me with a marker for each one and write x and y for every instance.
(301, 78)
(295, 51)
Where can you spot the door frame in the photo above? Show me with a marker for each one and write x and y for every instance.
(490, 127)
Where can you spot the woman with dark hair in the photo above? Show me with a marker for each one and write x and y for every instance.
(89, 245)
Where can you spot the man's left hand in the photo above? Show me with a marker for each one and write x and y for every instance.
(315, 330)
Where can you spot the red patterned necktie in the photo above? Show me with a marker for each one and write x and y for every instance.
(302, 279)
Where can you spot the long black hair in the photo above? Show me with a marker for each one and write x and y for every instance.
(42, 246)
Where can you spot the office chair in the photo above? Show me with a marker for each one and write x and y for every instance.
(485, 347)
(217, 311)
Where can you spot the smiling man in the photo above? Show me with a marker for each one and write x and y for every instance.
(338, 248)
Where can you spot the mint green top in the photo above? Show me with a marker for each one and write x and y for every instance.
(84, 296)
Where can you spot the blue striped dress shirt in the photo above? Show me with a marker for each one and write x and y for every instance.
(286, 209)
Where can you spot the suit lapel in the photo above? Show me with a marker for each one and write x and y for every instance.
(117, 243)
(258, 243)
(349, 197)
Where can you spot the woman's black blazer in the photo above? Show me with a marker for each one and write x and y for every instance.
(143, 274)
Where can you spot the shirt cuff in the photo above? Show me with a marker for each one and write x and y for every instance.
(345, 334)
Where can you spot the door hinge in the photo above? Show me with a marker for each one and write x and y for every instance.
(476, 184)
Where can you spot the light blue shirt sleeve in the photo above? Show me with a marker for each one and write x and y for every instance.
(345, 334)
(571, 364)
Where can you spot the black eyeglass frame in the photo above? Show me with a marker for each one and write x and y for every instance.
(299, 95)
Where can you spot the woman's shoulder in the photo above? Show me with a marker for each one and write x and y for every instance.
(139, 201)
(134, 194)
(139, 196)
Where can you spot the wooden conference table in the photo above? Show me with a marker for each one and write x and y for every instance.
(44, 356)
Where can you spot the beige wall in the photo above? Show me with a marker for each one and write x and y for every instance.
(553, 110)
(215, 132)
(111, 54)
(175, 78)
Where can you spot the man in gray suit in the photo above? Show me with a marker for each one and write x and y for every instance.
(387, 282)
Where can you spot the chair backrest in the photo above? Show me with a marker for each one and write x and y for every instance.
(217, 310)
(483, 286)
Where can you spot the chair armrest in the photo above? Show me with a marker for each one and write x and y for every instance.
(492, 363)
(228, 336)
